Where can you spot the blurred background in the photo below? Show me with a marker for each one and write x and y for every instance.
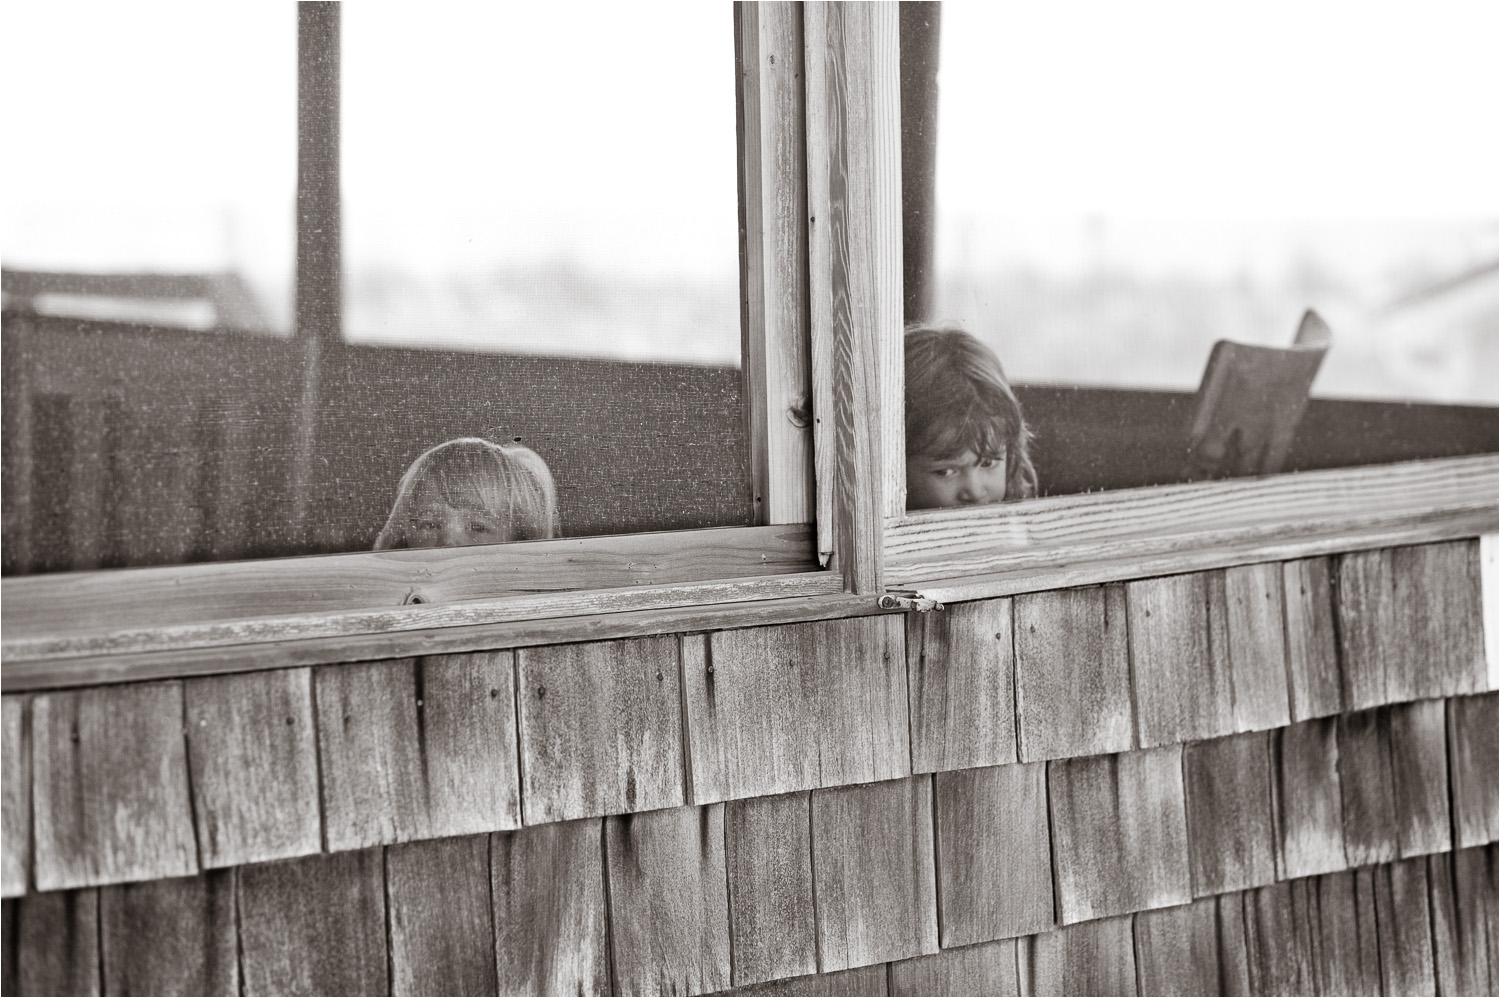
(1118, 186)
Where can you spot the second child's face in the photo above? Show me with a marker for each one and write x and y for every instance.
(435, 524)
(964, 480)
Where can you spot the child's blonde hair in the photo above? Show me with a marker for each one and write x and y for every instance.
(958, 399)
(510, 482)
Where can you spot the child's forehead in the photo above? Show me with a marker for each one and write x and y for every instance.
(960, 459)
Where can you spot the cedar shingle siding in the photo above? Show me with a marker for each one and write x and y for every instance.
(1272, 779)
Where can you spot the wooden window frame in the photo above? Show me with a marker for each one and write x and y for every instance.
(88, 627)
(820, 195)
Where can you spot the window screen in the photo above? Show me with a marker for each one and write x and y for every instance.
(539, 246)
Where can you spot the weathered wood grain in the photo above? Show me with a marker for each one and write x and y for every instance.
(1254, 645)
(600, 728)
(57, 943)
(1419, 777)
(1410, 623)
(1489, 587)
(1403, 924)
(1189, 527)
(773, 262)
(1230, 820)
(859, 981)
(768, 853)
(986, 969)
(1119, 830)
(873, 874)
(1312, 654)
(775, 709)
(1463, 890)
(1177, 949)
(741, 605)
(416, 749)
(9, 941)
(961, 673)
(550, 918)
(15, 798)
(1472, 752)
(315, 925)
(668, 909)
(158, 609)
(1308, 799)
(994, 857)
(110, 786)
(1233, 941)
(1093, 958)
(854, 206)
(442, 938)
(1182, 691)
(171, 937)
(253, 756)
(1368, 785)
(1278, 939)
(1073, 673)
(1346, 947)
(1438, 591)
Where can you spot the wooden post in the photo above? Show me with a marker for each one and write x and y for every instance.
(773, 260)
(920, 32)
(854, 252)
(319, 279)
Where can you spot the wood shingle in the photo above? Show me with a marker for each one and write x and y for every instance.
(1231, 833)
(1119, 833)
(668, 907)
(994, 856)
(171, 937)
(547, 884)
(961, 673)
(1073, 673)
(873, 872)
(110, 786)
(600, 728)
(252, 752)
(775, 709)
(768, 853)
(441, 940)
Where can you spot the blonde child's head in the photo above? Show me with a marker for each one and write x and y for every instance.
(472, 491)
(966, 441)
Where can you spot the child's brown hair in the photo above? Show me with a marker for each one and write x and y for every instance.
(958, 399)
(509, 481)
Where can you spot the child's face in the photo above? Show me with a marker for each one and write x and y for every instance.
(964, 480)
(435, 524)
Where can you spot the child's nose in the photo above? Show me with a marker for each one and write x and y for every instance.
(971, 487)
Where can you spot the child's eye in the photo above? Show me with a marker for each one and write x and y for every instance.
(991, 462)
(425, 525)
(480, 527)
(944, 472)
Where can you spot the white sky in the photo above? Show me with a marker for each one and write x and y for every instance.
(1214, 136)
(162, 135)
